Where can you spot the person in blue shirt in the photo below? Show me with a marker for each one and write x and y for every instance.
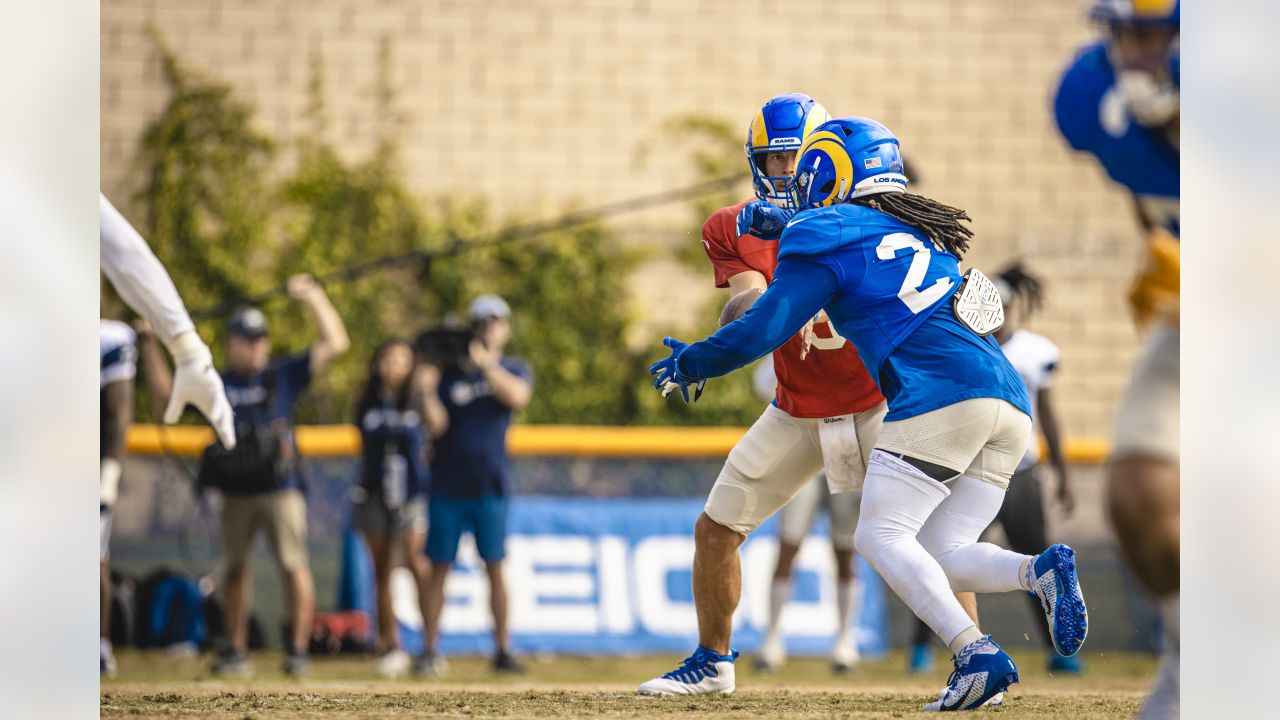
(884, 265)
(1118, 101)
(398, 412)
(261, 480)
(471, 475)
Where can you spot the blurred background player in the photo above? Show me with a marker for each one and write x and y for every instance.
(795, 520)
(827, 409)
(959, 418)
(398, 413)
(1119, 101)
(471, 475)
(117, 357)
(260, 478)
(143, 284)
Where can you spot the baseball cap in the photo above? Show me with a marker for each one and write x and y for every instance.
(248, 322)
(487, 306)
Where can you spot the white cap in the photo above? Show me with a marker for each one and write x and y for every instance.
(487, 306)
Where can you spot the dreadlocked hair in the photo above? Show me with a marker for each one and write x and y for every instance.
(940, 223)
(1026, 287)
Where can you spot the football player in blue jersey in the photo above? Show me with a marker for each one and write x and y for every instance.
(885, 265)
(1118, 101)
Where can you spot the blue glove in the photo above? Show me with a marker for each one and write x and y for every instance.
(764, 220)
(669, 378)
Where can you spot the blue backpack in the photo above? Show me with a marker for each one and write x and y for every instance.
(171, 611)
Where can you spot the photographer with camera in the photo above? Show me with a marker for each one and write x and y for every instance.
(471, 475)
(261, 480)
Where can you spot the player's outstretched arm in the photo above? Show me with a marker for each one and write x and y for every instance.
(799, 290)
(143, 283)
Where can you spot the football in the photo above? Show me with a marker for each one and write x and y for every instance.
(739, 304)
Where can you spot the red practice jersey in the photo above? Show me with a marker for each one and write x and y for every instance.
(831, 380)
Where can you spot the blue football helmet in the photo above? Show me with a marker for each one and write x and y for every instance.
(1136, 12)
(1148, 84)
(847, 158)
(780, 126)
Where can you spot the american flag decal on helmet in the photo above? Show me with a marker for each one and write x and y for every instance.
(871, 163)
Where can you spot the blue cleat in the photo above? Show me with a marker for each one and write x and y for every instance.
(705, 672)
(919, 660)
(1066, 665)
(1054, 582)
(983, 672)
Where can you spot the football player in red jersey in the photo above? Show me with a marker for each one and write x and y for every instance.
(826, 412)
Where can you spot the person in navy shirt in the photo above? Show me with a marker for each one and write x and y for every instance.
(263, 394)
(471, 475)
(398, 412)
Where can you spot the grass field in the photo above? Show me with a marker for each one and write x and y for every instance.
(158, 685)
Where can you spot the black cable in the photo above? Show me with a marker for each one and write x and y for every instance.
(460, 244)
(197, 510)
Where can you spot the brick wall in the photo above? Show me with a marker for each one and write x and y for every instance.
(543, 105)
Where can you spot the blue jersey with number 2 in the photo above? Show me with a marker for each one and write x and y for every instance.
(887, 289)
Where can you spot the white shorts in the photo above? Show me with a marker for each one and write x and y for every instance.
(795, 520)
(982, 437)
(1147, 422)
(769, 465)
(104, 533)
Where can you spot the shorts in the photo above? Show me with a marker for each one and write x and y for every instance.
(795, 519)
(981, 437)
(371, 516)
(104, 532)
(1147, 422)
(772, 462)
(484, 517)
(282, 514)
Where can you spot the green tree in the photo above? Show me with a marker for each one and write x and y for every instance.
(206, 200)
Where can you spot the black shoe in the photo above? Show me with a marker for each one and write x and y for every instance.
(232, 664)
(504, 663)
(296, 664)
(429, 664)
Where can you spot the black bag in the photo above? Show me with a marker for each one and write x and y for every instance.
(256, 465)
(261, 460)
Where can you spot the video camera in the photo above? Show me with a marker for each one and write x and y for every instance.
(448, 344)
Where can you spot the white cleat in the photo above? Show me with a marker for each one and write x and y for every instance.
(392, 664)
(772, 655)
(705, 672)
(845, 656)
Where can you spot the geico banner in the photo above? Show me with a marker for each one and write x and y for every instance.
(613, 575)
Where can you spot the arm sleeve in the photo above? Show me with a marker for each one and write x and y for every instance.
(724, 257)
(800, 289)
(138, 276)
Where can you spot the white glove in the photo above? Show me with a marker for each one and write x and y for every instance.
(196, 383)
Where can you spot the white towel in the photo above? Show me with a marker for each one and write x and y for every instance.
(842, 453)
